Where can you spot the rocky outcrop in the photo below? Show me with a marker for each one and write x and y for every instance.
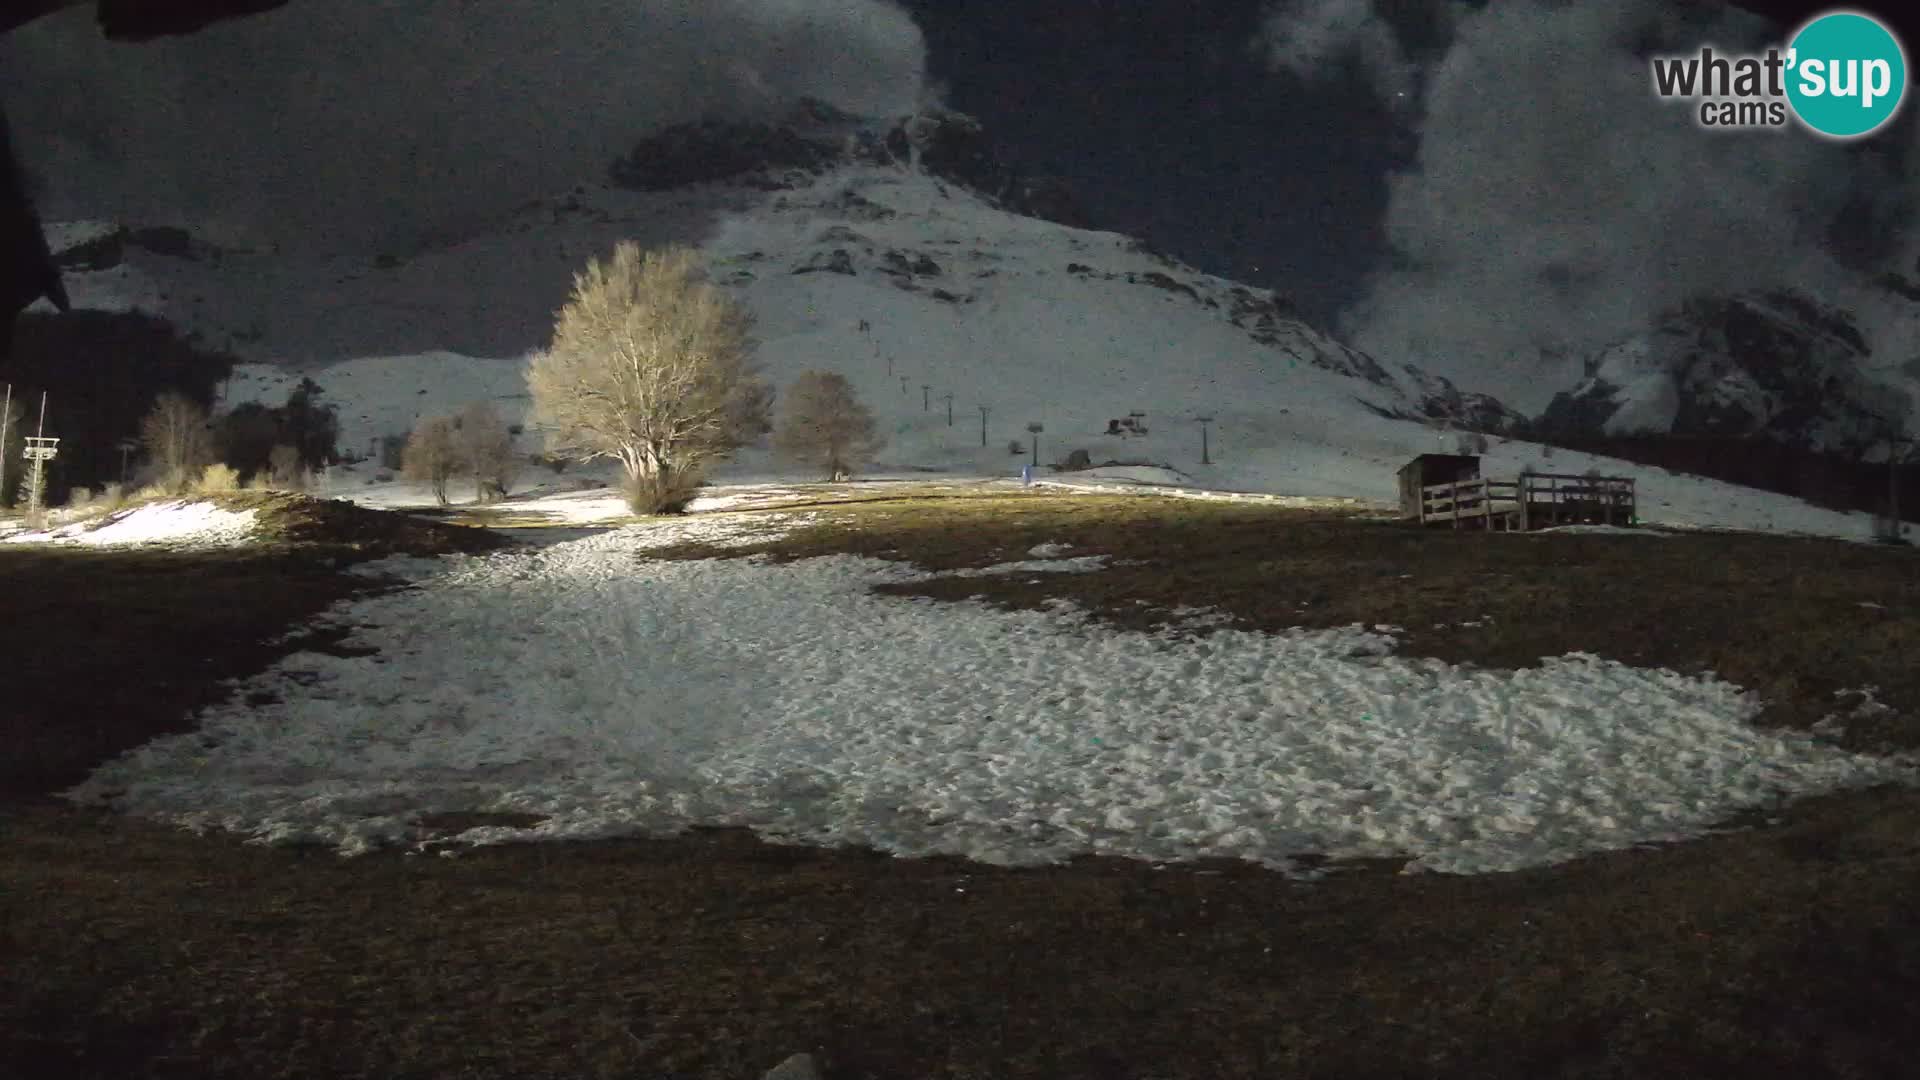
(812, 137)
(837, 261)
(956, 148)
(1437, 398)
(1775, 365)
(714, 150)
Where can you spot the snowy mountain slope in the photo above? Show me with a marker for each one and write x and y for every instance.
(1038, 321)
(1779, 366)
(377, 396)
(914, 287)
(492, 294)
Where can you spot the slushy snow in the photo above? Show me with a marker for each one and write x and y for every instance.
(616, 694)
(181, 522)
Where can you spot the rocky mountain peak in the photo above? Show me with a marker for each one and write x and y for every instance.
(1776, 364)
(787, 148)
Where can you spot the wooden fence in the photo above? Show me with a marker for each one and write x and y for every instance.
(1534, 501)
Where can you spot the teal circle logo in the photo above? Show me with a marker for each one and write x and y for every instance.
(1846, 75)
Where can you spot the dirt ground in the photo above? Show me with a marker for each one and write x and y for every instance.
(1788, 945)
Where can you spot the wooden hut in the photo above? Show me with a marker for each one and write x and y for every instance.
(1428, 469)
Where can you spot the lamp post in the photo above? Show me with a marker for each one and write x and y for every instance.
(1895, 459)
(983, 425)
(6, 411)
(926, 398)
(1035, 429)
(948, 398)
(1204, 421)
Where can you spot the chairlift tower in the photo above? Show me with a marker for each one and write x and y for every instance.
(39, 450)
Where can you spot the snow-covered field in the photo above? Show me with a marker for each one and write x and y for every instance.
(617, 695)
(579, 680)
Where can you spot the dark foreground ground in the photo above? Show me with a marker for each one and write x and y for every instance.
(1789, 948)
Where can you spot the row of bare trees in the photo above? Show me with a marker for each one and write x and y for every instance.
(179, 437)
(475, 443)
(652, 366)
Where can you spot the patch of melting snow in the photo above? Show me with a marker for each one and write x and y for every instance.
(178, 522)
(1604, 530)
(1834, 725)
(612, 694)
(1188, 619)
(1083, 564)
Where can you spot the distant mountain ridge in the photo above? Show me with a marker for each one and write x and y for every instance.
(1775, 365)
(788, 149)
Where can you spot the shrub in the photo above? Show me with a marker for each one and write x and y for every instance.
(217, 480)
(112, 497)
(660, 493)
(283, 464)
(393, 449)
(650, 366)
(485, 448)
(178, 439)
(822, 423)
(432, 455)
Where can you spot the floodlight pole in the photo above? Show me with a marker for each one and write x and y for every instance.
(983, 425)
(948, 398)
(1895, 458)
(1035, 429)
(6, 412)
(926, 398)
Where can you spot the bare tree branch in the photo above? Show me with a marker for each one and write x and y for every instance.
(650, 366)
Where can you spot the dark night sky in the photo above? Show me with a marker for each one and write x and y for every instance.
(1513, 152)
(1171, 127)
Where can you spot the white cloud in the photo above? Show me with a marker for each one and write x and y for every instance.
(1556, 204)
(1312, 39)
(344, 125)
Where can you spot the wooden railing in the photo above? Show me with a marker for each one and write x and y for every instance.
(1467, 499)
(1533, 501)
